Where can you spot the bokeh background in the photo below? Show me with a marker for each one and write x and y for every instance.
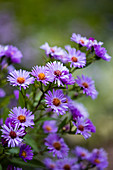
(28, 24)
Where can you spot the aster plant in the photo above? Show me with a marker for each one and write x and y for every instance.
(45, 108)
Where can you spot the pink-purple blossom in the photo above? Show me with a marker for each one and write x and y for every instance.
(26, 153)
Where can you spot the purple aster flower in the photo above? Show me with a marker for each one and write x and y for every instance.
(92, 42)
(20, 78)
(12, 53)
(76, 58)
(49, 164)
(50, 126)
(2, 93)
(26, 152)
(84, 127)
(11, 167)
(77, 109)
(67, 164)
(57, 72)
(16, 93)
(83, 41)
(13, 135)
(57, 101)
(52, 51)
(40, 74)
(81, 153)
(69, 81)
(87, 84)
(101, 52)
(10, 121)
(1, 121)
(56, 145)
(22, 116)
(99, 158)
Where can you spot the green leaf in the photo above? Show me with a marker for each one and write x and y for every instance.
(21, 100)
(63, 123)
(14, 150)
(29, 140)
(41, 120)
(32, 163)
(5, 113)
(0, 167)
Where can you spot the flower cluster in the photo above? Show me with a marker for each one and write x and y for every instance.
(49, 106)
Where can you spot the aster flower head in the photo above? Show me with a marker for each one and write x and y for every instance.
(26, 152)
(1, 121)
(76, 58)
(87, 84)
(52, 51)
(83, 41)
(67, 164)
(20, 78)
(22, 116)
(81, 153)
(50, 126)
(49, 163)
(56, 145)
(98, 158)
(57, 72)
(57, 101)
(10, 122)
(12, 53)
(101, 52)
(40, 74)
(13, 135)
(84, 127)
(92, 42)
(2, 93)
(77, 109)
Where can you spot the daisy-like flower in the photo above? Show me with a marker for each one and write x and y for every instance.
(67, 164)
(22, 116)
(99, 158)
(50, 126)
(1, 121)
(84, 127)
(26, 152)
(57, 72)
(2, 93)
(92, 42)
(76, 58)
(56, 145)
(11, 53)
(13, 135)
(49, 163)
(81, 153)
(40, 74)
(57, 101)
(88, 86)
(101, 52)
(52, 51)
(10, 122)
(77, 109)
(20, 78)
(83, 41)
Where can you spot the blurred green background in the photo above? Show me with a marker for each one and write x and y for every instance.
(28, 24)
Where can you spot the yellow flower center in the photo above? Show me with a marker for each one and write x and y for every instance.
(82, 41)
(12, 134)
(67, 167)
(74, 59)
(57, 145)
(20, 80)
(81, 127)
(24, 154)
(56, 102)
(57, 73)
(41, 76)
(22, 118)
(97, 161)
(48, 128)
(85, 84)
